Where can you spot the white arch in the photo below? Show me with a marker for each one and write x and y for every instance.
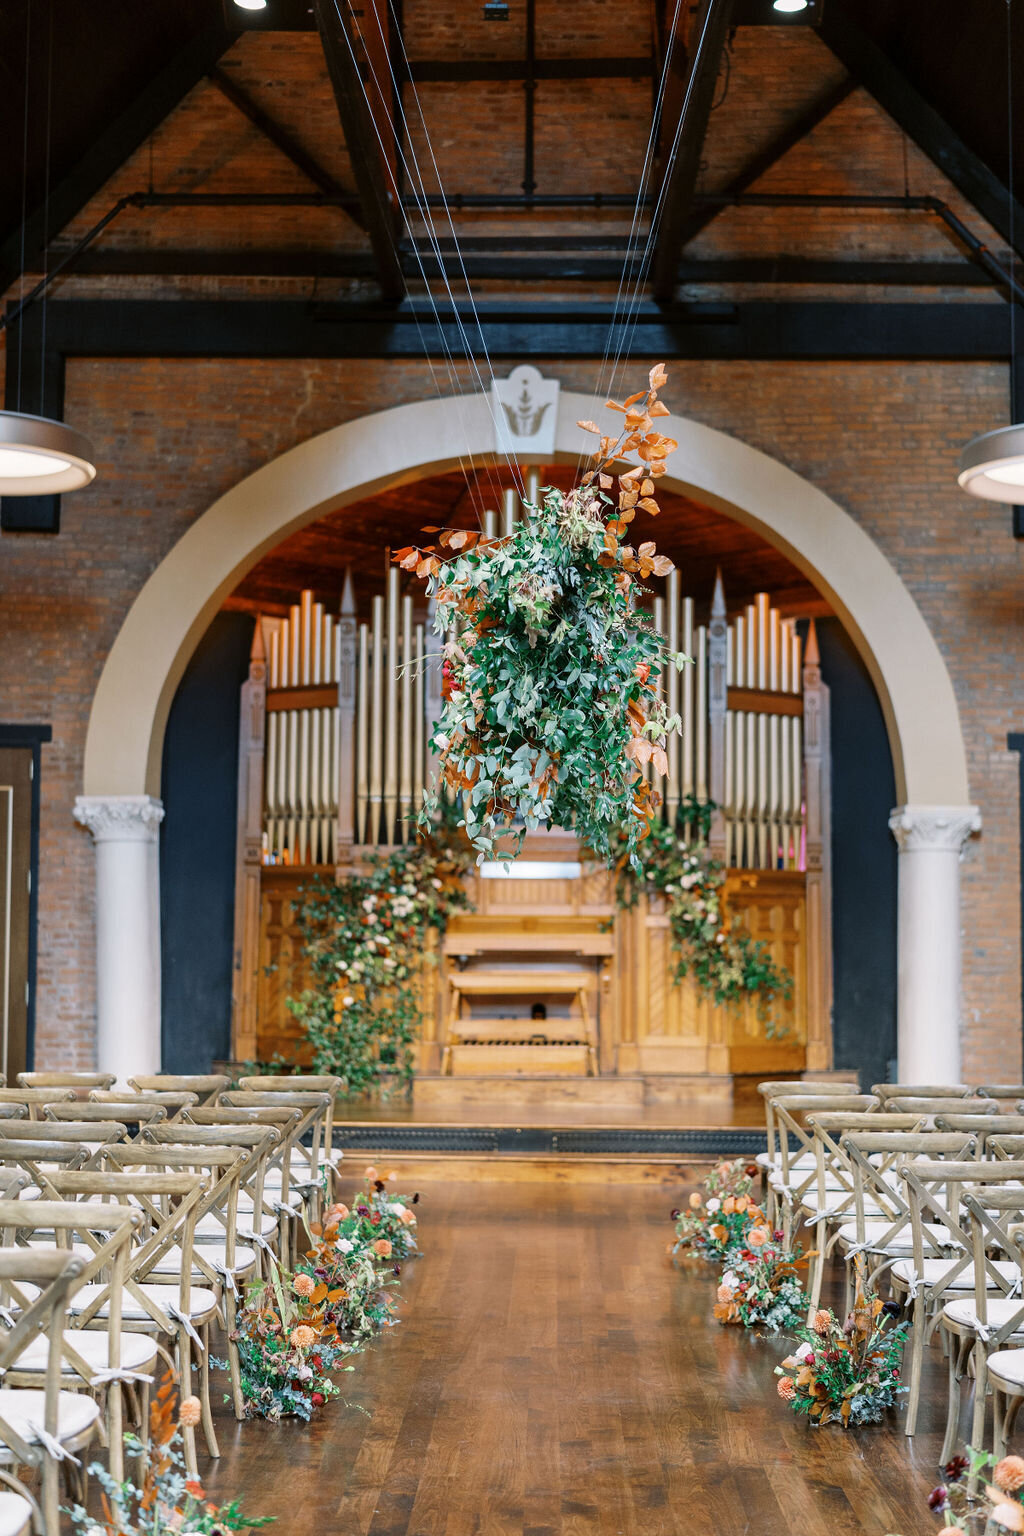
(171, 612)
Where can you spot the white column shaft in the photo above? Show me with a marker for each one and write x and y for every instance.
(126, 831)
(929, 943)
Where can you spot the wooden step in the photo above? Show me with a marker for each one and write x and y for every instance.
(518, 1060)
(518, 982)
(518, 1032)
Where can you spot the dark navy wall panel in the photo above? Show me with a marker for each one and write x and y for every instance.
(197, 848)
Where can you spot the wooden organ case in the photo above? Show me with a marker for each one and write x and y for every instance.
(544, 975)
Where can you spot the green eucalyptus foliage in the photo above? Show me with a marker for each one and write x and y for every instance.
(365, 938)
(550, 680)
(727, 964)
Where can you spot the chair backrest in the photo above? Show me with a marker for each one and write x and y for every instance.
(316, 1111)
(206, 1085)
(221, 1169)
(301, 1082)
(34, 1101)
(130, 1112)
(1000, 1090)
(935, 1193)
(834, 1175)
(984, 1127)
(173, 1103)
(771, 1089)
(878, 1159)
(992, 1216)
(921, 1090)
(791, 1112)
(915, 1104)
(1008, 1148)
(80, 1080)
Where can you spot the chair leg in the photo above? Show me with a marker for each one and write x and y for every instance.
(204, 1396)
(916, 1364)
(980, 1389)
(234, 1365)
(953, 1404)
(115, 1430)
(998, 1423)
(188, 1434)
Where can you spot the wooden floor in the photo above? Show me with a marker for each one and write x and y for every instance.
(554, 1375)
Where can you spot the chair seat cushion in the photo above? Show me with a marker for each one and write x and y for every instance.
(137, 1351)
(1008, 1366)
(15, 1515)
(999, 1310)
(213, 1253)
(22, 1407)
(936, 1270)
(213, 1228)
(201, 1303)
(902, 1242)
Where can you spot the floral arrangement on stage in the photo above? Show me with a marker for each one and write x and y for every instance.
(287, 1347)
(954, 1498)
(719, 1215)
(365, 938)
(167, 1499)
(727, 964)
(762, 1288)
(847, 1373)
(551, 708)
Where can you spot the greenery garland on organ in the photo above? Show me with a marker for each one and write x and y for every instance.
(550, 699)
(365, 939)
(727, 964)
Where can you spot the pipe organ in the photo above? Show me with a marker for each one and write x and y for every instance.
(335, 723)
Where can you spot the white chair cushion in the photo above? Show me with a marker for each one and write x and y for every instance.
(21, 1407)
(213, 1253)
(213, 1228)
(936, 1270)
(902, 1243)
(1008, 1366)
(15, 1515)
(247, 1204)
(201, 1303)
(137, 1351)
(999, 1309)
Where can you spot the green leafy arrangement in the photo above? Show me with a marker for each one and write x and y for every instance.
(727, 964)
(550, 699)
(365, 940)
(847, 1373)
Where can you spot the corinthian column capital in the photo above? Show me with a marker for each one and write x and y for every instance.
(934, 828)
(120, 818)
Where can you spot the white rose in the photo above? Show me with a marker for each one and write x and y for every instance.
(396, 1209)
(804, 1351)
(729, 1278)
(344, 1244)
(714, 1205)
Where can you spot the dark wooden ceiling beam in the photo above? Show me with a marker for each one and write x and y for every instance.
(685, 138)
(872, 68)
(363, 140)
(282, 140)
(111, 148)
(296, 328)
(459, 71)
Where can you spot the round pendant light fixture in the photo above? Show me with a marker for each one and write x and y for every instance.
(790, 7)
(992, 465)
(40, 457)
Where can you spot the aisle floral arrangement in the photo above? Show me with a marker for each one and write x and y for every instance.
(551, 702)
(1003, 1502)
(357, 1253)
(166, 1499)
(727, 964)
(846, 1373)
(365, 939)
(762, 1288)
(287, 1347)
(717, 1219)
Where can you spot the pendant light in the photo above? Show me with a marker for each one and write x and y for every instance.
(39, 456)
(992, 465)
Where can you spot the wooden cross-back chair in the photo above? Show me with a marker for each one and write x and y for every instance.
(309, 1177)
(308, 1082)
(830, 1201)
(930, 1108)
(771, 1089)
(219, 1262)
(943, 1253)
(40, 1428)
(102, 1360)
(82, 1081)
(1005, 1368)
(262, 1142)
(984, 1127)
(178, 1310)
(794, 1175)
(205, 1085)
(1001, 1092)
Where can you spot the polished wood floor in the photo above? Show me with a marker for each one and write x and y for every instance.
(554, 1375)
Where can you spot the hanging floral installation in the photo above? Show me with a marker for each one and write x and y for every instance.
(297, 1328)
(846, 1373)
(365, 939)
(165, 1499)
(727, 964)
(550, 704)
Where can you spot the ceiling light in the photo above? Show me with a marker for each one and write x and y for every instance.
(789, 7)
(40, 457)
(251, 5)
(992, 466)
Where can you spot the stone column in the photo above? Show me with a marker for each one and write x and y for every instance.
(931, 841)
(126, 830)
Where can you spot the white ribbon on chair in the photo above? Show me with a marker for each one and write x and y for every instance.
(226, 1274)
(258, 1239)
(824, 1215)
(189, 1327)
(103, 1378)
(50, 1444)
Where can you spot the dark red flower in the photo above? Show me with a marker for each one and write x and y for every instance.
(317, 1362)
(954, 1470)
(675, 1215)
(318, 1399)
(362, 1210)
(752, 1170)
(416, 1199)
(833, 1356)
(778, 1235)
(938, 1498)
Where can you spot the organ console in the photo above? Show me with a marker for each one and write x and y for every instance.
(336, 717)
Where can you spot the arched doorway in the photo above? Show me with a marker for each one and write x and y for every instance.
(122, 761)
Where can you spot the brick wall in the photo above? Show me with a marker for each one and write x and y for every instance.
(881, 439)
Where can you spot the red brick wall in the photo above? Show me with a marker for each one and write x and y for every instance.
(880, 438)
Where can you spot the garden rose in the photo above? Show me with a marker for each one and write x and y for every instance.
(317, 1399)
(382, 1247)
(742, 1203)
(1011, 1516)
(728, 1205)
(369, 1174)
(714, 1205)
(724, 1294)
(757, 1238)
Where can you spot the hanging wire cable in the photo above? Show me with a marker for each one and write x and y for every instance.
(46, 209)
(1013, 248)
(24, 191)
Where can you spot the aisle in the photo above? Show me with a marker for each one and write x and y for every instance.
(554, 1376)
